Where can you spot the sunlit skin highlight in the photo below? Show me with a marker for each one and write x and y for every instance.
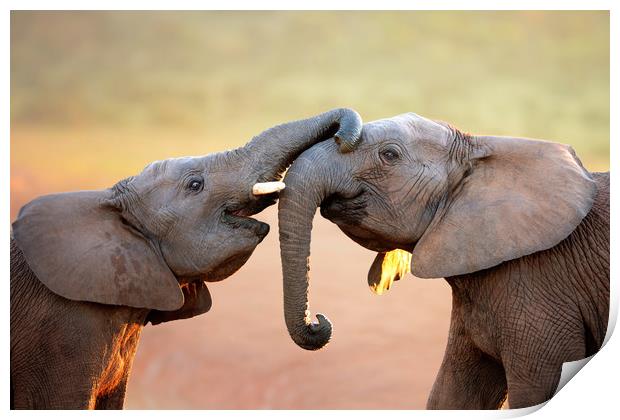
(395, 265)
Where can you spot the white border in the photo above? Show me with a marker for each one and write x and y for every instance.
(593, 393)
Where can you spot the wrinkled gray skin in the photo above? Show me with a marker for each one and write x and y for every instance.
(519, 229)
(90, 268)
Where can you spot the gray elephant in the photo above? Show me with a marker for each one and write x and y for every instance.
(90, 268)
(519, 229)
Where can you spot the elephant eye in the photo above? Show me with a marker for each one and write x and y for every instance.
(195, 185)
(389, 155)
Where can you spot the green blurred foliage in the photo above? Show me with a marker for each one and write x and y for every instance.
(225, 76)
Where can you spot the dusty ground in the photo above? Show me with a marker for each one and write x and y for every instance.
(384, 353)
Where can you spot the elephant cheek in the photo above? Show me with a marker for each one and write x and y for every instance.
(228, 267)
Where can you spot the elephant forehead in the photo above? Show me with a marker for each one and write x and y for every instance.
(159, 174)
(173, 168)
(385, 129)
(423, 128)
(408, 126)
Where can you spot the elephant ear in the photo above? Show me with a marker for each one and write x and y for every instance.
(387, 268)
(521, 196)
(80, 247)
(197, 302)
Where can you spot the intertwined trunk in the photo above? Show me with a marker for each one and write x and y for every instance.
(272, 151)
(309, 181)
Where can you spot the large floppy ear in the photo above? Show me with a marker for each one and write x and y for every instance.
(197, 302)
(521, 196)
(80, 247)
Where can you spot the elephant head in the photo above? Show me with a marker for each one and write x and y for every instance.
(180, 222)
(427, 197)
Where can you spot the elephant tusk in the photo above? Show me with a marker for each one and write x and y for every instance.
(262, 188)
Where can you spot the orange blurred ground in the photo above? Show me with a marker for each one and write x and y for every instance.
(384, 353)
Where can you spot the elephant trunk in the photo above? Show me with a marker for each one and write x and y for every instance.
(280, 145)
(309, 181)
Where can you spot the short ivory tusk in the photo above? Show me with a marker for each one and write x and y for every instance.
(263, 188)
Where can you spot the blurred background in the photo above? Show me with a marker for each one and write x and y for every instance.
(95, 96)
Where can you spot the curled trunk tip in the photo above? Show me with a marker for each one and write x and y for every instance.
(350, 131)
(281, 144)
(314, 336)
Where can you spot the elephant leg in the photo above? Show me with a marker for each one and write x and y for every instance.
(532, 384)
(111, 392)
(115, 399)
(527, 392)
(534, 366)
(468, 378)
(41, 391)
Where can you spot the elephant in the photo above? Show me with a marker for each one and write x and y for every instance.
(517, 227)
(89, 269)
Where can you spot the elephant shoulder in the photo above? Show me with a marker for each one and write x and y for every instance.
(25, 285)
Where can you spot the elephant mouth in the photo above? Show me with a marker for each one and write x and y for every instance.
(345, 210)
(350, 214)
(237, 219)
(238, 215)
